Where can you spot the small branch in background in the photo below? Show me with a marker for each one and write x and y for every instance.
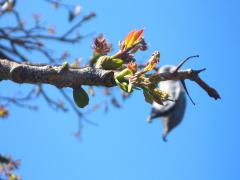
(19, 101)
(79, 24)
(80, 115)
(52, 103)
(33, 38)
(19, 40)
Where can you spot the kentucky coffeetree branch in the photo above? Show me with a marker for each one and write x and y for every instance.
(71, 77)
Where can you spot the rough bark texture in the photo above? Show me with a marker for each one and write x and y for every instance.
(71, 77)
(54, 75)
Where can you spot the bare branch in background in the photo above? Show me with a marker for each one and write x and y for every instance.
(18, 41)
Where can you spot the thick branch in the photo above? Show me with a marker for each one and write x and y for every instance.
(55, 75)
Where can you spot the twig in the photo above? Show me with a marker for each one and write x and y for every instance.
(187, 74)
(184, 61)
(50, 101)
(84, 19)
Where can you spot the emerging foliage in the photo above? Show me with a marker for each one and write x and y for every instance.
(129, 77)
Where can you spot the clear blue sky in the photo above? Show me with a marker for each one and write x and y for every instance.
(205, 146)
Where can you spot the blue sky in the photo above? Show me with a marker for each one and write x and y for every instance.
(123, 146)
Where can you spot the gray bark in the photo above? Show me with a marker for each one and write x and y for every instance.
(71, 77)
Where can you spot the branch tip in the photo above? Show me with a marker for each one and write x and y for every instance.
(184, 61)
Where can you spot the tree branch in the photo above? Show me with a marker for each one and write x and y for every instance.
(54, 75)
(190, 74)
(71, 77)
